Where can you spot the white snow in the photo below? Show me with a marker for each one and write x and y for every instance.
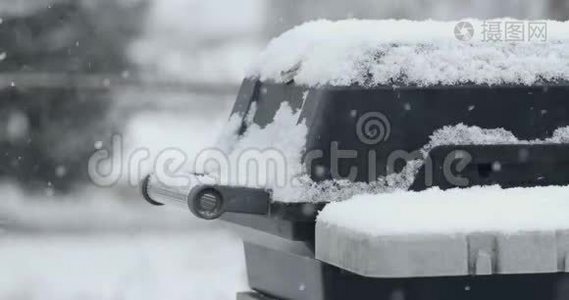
(401, 52)
(263, 157)
(306, 190)
(476, 209)
(191, 265)
(270, 158)
(462, 134)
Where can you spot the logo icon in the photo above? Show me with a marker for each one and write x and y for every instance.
(463, 31)
(373, 128)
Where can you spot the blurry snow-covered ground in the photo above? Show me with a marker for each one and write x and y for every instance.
(101, 244)
(184, 265)
(107, 243)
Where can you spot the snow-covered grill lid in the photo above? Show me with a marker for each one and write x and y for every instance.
(423, 53)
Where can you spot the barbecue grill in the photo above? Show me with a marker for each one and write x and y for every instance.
(281, 256)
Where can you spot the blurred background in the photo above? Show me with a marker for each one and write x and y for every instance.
(157, 75)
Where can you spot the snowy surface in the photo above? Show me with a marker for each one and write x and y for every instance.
(191, 265)
(476, 209)
(262, 157)
(99, 244)
(462, 134)
(389, 52)
(305, 190)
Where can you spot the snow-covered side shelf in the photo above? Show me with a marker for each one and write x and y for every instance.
(477, 231)
(390, 52)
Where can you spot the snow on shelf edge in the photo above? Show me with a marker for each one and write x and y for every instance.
(402, 52)
(455, 211)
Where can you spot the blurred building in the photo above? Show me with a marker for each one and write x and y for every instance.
(55, 101)
(281, 15)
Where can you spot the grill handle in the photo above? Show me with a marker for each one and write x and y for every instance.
(207, 201)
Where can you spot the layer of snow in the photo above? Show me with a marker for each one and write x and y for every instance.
(388, 52)
(306, 190)
(487, 209)
(262, 157)
(462, 134)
